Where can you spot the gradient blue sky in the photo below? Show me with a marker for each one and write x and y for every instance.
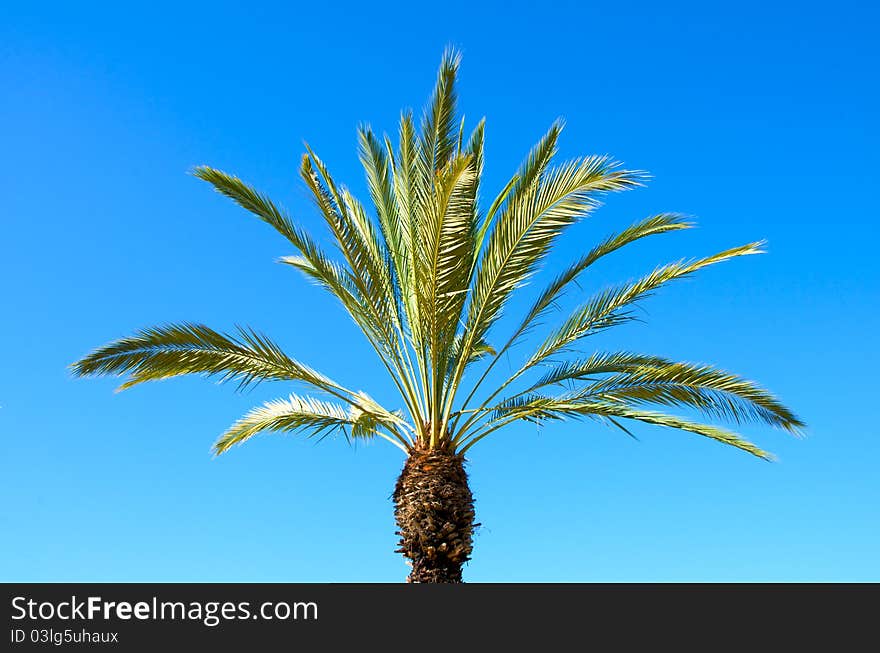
(757, 118)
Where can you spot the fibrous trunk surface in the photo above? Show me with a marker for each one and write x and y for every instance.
(434, 510)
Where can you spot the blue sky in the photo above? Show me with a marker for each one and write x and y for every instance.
(759, 120)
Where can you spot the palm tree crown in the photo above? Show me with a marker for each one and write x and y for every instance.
(427, 276)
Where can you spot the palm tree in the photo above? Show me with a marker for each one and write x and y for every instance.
(426, 280)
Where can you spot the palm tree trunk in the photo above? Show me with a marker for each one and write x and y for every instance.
(434, 510)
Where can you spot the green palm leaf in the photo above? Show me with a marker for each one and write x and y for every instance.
(305, 414)
(178, 349)
(446, 241)
(657, 224)
(439, 133)
(713, 392)
(356, 239)
(311, 259)
(527, 228)
(637, 379)
(539, 408)
(608, 308)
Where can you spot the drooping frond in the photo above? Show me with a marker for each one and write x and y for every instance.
(593, 367)
(713, 392)
(179, 349)
(721, 435)
(540, 408)
(306, 414)
(639, 379)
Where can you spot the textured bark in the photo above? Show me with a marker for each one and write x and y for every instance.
(434, 510)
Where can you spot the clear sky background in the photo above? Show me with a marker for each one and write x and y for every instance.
(760, 119)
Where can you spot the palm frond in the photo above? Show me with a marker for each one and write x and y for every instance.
(608, 308)
(529, 225)
(371, 273)
(540, 408)
(179, 349)
(653, 225)
(639, 379)
(370, 270)
(377, 167)
(379, 171)
(311, 259)
(257, 203)
(718, 434)
(405, 181)
(475, 148)
(656, 224)
(525, 180)
(307, 414)
(527, 228)
(439, 133)
(356, 238)
(596, 365)
(446, 240)
(536, 163)
(713, 392)
(479, 351)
